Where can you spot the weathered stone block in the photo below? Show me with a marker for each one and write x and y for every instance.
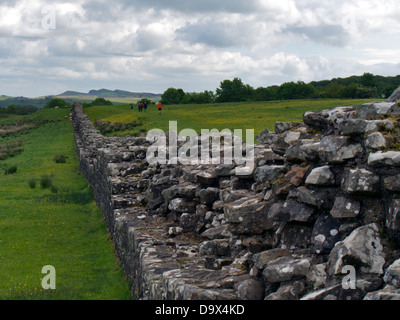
(362, 249)
(321, 176)
(303, 151)
(269, 174)
(248, 216)
(392, 183)
(361, 181)
(392, 274)
(372, 111)
(345, 207)
(390, 158)
(336, 149)
(325, 234)
(375, 141)
(286, 269)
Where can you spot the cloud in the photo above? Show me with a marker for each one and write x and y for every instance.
(152, 45)
(334, 35)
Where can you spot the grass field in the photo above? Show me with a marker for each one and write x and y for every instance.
(58, 224)
(247, 115)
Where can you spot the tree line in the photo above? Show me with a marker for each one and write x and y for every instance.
(355, 87)
(18, 110)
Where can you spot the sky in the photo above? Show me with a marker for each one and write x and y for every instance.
(48, 47)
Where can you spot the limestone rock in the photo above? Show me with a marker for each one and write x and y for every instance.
(281, 127)
(321, 176)
(338, 292)
(217, 233)
(305, 150)
(325, 234)
(390, 158)
(375, 141)
(250, 290)
(214, 247)
(288, 291)
(294, 211)
(392, 183)
(206, 178)
(265, 137)
(181, 206)
(392, 274)
(387, 293)
(372, 111)
(179, 191)
(359, 126)
(345, 207)
(393, 216)
(286, 269)
(264, 258)
(362, 249)
(395, 97)
(361, 181)
(325, 119)
(269, 174)
(320, 198)
(209, 196)
(297, 175)
(294, 235)
(317, 276)
(337, 149)
(248, 216)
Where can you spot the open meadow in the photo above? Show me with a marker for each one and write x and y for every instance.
(48, 217)
(245, 115)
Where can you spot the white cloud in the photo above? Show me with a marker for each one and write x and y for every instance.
(152, 45)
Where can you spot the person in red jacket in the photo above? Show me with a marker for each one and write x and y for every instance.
(159, 107)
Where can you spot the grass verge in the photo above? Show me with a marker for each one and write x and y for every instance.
(64, 229)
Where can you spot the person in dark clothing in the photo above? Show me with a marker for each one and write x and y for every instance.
(145, 106)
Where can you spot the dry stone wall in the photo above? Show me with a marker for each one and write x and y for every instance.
(317, 218)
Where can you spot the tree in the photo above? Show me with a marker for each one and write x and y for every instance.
(56, 102)
(144, 100)
(334, 90)
(266, 94)
(172, 96)
(101, 102)
(296, 90)
(234, 91)
(368, 80)
(357, 91)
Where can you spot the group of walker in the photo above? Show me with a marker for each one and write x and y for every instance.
(143, 106)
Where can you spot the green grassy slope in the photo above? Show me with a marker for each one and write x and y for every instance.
(59, 226)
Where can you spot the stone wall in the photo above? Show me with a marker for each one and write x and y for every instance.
(316, 219)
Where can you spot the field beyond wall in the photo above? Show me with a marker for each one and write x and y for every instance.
(243, 115)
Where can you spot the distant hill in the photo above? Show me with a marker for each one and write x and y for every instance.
(110, 94)
(116, 96)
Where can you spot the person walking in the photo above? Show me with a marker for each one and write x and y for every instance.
(159, 107)
(131, 106)
(145, 106)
